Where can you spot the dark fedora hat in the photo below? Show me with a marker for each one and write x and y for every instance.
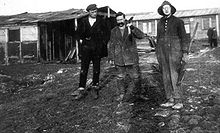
(91, 7)
(160, 9)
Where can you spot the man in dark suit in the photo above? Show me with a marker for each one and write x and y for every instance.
(212, 37)
(91, 32)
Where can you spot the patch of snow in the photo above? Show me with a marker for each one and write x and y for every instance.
(190, 69)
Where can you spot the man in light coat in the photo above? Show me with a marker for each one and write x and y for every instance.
(172, 49)
(123, 53)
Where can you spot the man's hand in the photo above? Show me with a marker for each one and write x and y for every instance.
(129, 24)
(130, 27)
(80, 41)
(111, 62)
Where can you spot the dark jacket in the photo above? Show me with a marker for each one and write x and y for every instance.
(174, 34)
(123, 49)
(171, 38)
(212, 34)
(209, 34)
(93, 37)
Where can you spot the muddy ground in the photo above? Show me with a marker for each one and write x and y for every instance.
(35, 98)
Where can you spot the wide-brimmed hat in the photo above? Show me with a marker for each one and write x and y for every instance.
(91, 7)
(160, 9)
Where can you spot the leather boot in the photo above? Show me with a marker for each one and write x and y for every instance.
(95, 91)
(79, 94)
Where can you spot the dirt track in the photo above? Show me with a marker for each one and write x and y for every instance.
(35, 98)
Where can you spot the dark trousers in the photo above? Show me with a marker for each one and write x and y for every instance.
(126, 87)
(88, 55)
(213, 43)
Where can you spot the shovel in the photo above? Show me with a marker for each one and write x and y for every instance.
(182, 71)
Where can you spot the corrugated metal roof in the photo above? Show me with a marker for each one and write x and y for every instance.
(77, 13)
(42, 17)
(179, 13)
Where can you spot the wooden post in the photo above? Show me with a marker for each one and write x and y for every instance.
(137, 23)
(109, 12)
(46, 42)
(65, 45)
(20, 47)
(77, 44)
(6, 47)
(193, 35)
(53, 43)
(210, 22)
(155, 27)
(49, 50)
(217, 24)
(38, 42)
(59, 44)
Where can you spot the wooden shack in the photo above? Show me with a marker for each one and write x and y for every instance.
(38, 36)
(49, 36)
(205, 18)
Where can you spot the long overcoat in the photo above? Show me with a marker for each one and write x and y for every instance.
(171, 44)
(123, 48)
(209, 34)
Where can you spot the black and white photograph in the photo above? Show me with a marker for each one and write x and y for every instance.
(98, 66)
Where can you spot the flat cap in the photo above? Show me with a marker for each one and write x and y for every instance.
(91, 7)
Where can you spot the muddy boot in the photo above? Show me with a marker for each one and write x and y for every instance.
(120, 89)
(178, 104)
(138, 90)
(169, 103)
(95, 91)
(79, 94)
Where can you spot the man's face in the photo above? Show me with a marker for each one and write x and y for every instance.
(167, 10)
(120, 20)
(93, 13)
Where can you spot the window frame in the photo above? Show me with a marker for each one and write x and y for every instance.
(10, 34)
(208, 21)
(33, 37)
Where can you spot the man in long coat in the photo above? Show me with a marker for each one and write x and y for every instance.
(172, 48)
(123, 52)
(212, 37)
(93, 35)
(209, 34)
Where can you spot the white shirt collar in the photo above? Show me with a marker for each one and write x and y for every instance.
(92, 20)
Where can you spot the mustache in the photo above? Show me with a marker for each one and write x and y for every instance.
(121, 24)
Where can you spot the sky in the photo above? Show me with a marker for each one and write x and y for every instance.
(10, 7)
